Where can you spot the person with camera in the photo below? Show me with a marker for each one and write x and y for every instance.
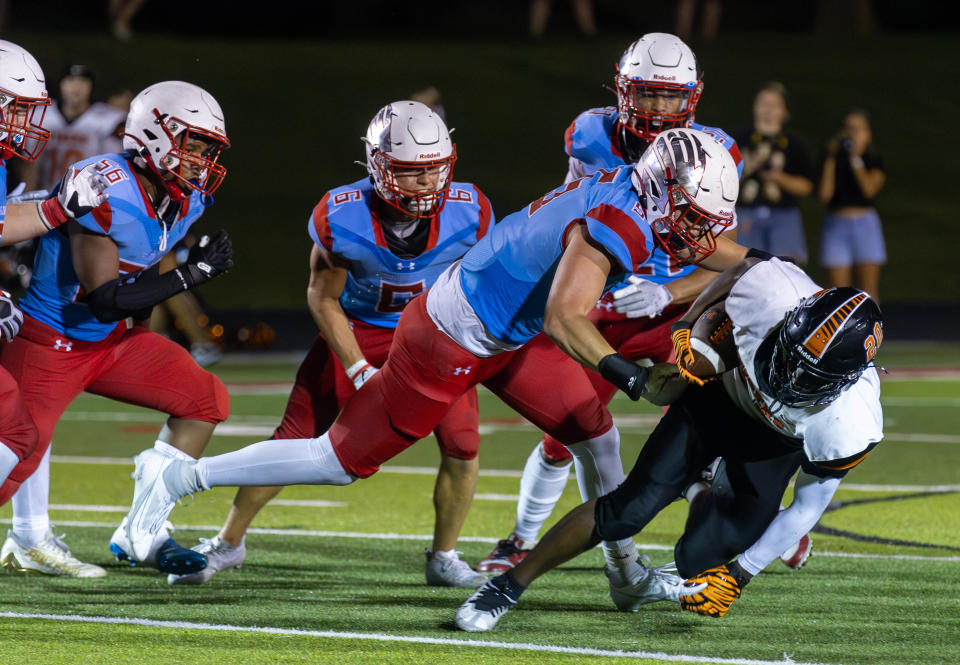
(852, 249)
(777, 171)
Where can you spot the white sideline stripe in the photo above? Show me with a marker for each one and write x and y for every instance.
(496, 497)
(85, 508)
(308, 503)
(307, 533)
(410, 639)
(511, 473)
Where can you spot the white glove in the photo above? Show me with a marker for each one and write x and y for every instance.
(641, 298)
(21, 195)
(80, 192)
(360, 371)
(11, 318)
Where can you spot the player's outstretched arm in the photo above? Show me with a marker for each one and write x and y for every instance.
(577, 285)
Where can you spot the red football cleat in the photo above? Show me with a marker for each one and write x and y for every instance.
(796, 557)
(507, 554)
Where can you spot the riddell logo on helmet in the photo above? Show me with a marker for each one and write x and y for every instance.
(429, 155)
(661, 77)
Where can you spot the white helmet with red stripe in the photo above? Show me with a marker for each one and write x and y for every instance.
(23, 103)
(166, 121)
(689, 183)
(658, 85)
(404, 138)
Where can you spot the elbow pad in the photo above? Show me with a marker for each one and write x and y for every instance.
(135, 296)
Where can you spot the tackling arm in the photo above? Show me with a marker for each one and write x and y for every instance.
(22, 222)
(577, 285)
(579, 281)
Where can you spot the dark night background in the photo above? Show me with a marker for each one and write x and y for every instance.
(298, 83)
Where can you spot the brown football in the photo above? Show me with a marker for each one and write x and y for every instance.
(711, 339)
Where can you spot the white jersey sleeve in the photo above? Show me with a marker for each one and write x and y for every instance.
(844, 429)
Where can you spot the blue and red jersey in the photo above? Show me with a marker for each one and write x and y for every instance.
(593, 138)
(128, 218)
(507, 277)
(379, 283)
(3, 194)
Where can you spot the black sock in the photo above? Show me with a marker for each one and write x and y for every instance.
(739, 574)
(510, 587)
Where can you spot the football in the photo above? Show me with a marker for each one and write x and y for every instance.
(711, 339)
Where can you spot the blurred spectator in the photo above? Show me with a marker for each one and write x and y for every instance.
(777, 170)
(119, 99)
(121, 14)
(430, 96)
(582, 12)
(852, 248)
(685, 12)
(79, 128)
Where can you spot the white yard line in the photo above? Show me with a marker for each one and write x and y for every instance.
(309, 533)
(511, 473)
(409, 639)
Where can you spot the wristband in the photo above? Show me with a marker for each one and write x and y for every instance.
(51, 213)
(856, 162)
(625, 374)
(357, 367)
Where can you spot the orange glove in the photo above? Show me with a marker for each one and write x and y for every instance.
(714, 601)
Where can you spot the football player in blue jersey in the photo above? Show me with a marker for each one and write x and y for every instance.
(93, 276)
(541, 269)
(23, 102)
(378, 243)
(658, 85)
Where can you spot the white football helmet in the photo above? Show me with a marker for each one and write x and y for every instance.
(23, 103)
(163, 118)
(658, 85)
(690, 185)
(408, 136)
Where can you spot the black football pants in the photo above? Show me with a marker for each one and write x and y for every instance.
(702, 425)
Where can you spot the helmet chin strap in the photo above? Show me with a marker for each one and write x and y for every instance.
(173, 190)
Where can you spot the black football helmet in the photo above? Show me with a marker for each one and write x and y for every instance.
(821, 347)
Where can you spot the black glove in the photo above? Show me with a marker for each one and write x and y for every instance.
(11, 318)
(207, 259)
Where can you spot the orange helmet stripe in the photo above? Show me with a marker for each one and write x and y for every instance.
(820, 339)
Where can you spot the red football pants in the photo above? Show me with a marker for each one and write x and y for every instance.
(322, 388)
(633, 338)
(17, 431)
(135, 366)
(426, 372)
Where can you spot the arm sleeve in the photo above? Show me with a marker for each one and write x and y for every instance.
(811, 496)
(134, 296)
(575, 170)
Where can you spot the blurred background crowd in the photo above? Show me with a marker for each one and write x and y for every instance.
(843, 111)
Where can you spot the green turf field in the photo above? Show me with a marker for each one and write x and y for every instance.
(342, 581)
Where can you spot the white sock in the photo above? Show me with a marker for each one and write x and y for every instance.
(170, 451)
(541, 486)
(8, 460)
(599, 471)
(31, 517)
(275, 462)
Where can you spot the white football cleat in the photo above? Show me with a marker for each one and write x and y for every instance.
(166, 555)
(51, 556)
(220, 555)
(152, 502)
(448, 569)
(481, 611)
(658, 584)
